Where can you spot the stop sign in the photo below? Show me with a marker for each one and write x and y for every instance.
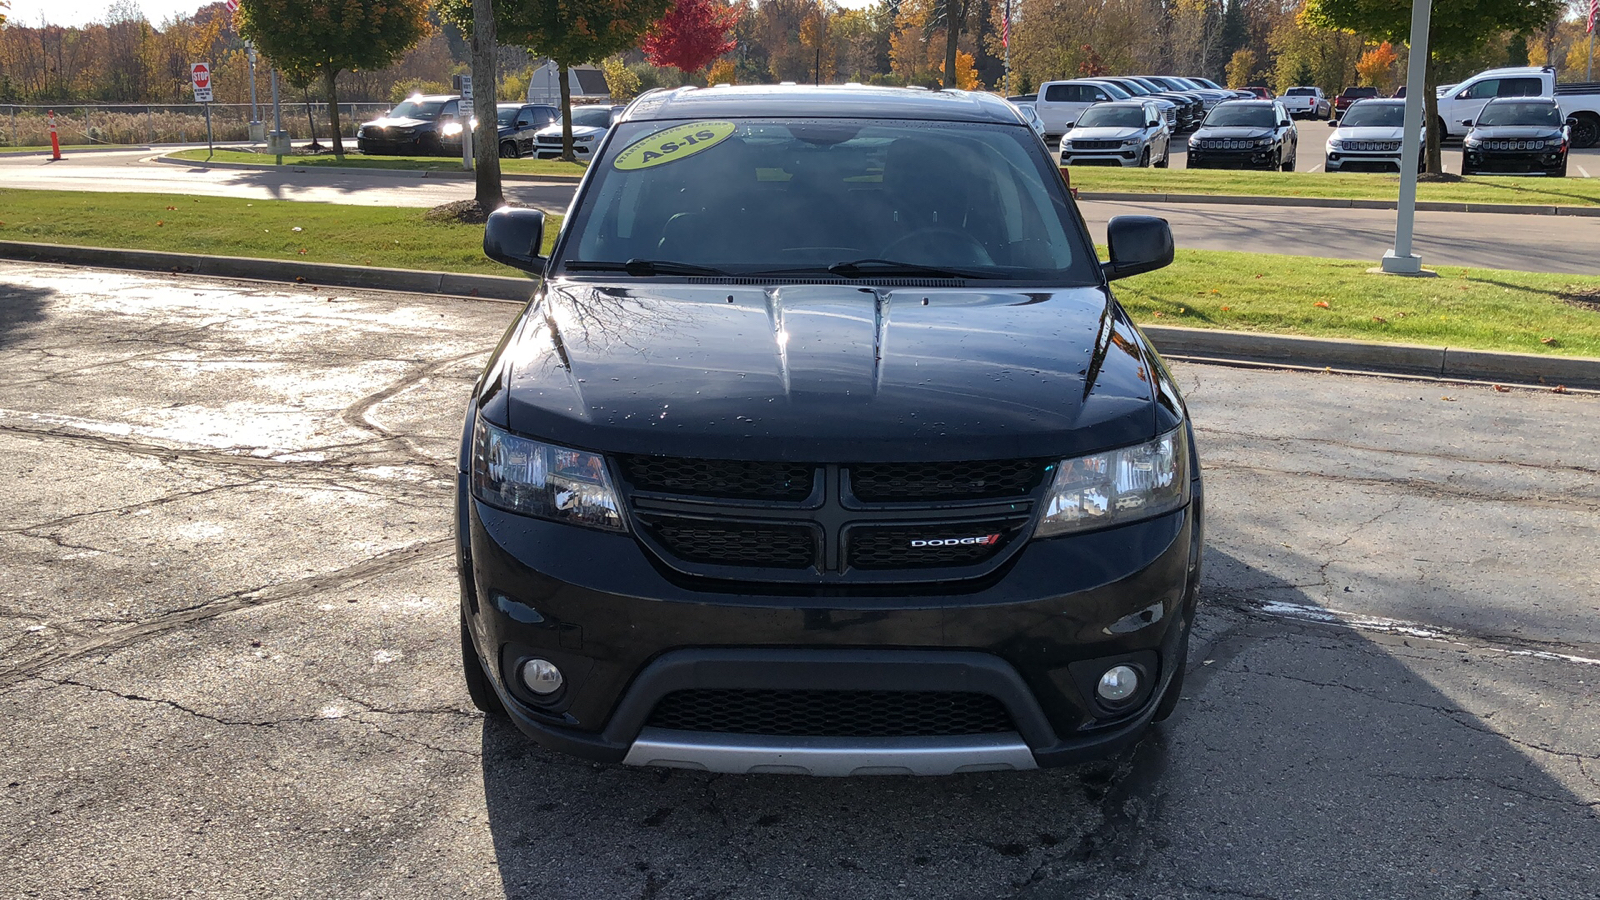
(201, 73)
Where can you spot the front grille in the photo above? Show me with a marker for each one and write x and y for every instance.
(1513, 145)
(732, 479)
(977, 480)
(1372, 146)
(925, 546)
(1227, 144)
(774, 545)
(1096, 145)
(832, 713)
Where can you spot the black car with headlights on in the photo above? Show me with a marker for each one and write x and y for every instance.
(1245, 134)
(795, 464)
(1517, 134)
(419, 125)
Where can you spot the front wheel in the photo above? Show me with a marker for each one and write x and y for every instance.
(1144, 158)
(508, 150)
(1561, 172)
(478, 686)
(1288, 165)
(1166, 158)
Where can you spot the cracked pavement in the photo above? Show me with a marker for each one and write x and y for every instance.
(228, 659)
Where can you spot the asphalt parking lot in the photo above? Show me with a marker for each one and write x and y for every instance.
(229, 662)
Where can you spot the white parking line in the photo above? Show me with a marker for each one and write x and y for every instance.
(1584, 172)
(1315, 167)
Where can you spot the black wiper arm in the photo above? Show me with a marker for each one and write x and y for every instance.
(643, 267)
(868, 268)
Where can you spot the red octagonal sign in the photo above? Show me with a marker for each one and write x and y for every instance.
(202, 75)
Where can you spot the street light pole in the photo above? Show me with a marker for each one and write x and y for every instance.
(1400, 260)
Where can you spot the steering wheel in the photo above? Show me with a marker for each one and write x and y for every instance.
(939, 246)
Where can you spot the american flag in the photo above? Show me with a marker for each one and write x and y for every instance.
(1594, 11)
(1005, 24)
(233, 5)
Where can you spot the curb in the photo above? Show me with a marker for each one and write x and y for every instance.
(1513, 209)
(364, 170)
(1445, 363)
(1190, 344)
(415, 281)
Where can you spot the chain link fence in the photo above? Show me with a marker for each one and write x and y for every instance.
(114, 124)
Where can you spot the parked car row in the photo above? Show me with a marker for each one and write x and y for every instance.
(1182, 102)
(431, 125)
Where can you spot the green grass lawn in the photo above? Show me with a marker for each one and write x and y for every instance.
(354, 235)
(46, 148)
(1343, 185)
(1486, 309)
(357, 161)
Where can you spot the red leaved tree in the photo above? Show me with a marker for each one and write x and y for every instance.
(691, 35)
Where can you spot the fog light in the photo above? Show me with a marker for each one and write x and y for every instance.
(1117, 684)
(543, 678)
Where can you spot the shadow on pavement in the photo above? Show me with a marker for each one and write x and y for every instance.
(1305, 761)
(21, 307)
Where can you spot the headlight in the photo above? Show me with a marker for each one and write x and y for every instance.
(1335, 145)
(451, 129)
(584, 138)
(1264, 142)
(537, 479)
(1472, 141)
(1118, 486)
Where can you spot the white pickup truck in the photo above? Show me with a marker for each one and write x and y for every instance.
(1460, 104)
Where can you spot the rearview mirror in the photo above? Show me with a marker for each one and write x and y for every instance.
(1138, 244)
(514, 236)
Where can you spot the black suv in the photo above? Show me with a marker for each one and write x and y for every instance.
(797, 464)
(419, 125)
(1245, 134)
(1517, 134)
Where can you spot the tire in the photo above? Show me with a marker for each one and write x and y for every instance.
(1466, 170)
(1144, 159)
(478, 686)
(1561, 172)
(1166, 158)
(508, 150)
(1169, 700)
(1586, 131)
(1289, 166)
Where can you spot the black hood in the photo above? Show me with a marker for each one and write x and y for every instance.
(1516, 132)
(827, 372)
(1234, 132)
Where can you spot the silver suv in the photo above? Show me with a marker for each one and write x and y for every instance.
(1123, 133)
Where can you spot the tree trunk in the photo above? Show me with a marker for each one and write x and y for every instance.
(329, 77)
(566, 114)
(311, 120)
(1430, 120)
(485, 85)
(952, 34)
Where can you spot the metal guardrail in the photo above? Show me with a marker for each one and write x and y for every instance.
(24, 125)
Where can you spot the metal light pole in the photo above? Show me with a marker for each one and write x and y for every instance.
(1400, 260)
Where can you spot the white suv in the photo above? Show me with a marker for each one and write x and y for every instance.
(1368, 138)
(1120, 133)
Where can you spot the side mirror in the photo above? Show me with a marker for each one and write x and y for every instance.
(1467, 122)
(1138, 244)
(1333, 123)
(513, 237)
(1285, 123)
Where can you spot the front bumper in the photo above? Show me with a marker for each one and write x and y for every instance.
(542, 150)
(408, 146)
(1356, 160)
(626, 632)
(1514, 161)
(1233, 159)
(1126, 157)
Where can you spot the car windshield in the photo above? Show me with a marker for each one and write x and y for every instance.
(417, 109)
(1133, 87)
(1247, 116)
(1361, 92)
(1301, 92)
(1521, 114)
(507, 115)
(1112, 117)
(846, 197)
(1374, 115)
(590, 116)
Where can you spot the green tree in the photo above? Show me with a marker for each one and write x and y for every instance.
(1456, 29)
(322, 38)
(571, 32)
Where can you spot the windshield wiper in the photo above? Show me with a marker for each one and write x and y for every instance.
(643, 267)
(873, 268)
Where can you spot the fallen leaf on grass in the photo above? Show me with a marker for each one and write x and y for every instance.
(1215, 291)
(1380, 319)
(159, 223)
(1322, 304)
(297, 228)
(1227, 308)
(1159, 315)
(172, 207)
(1550, 342)
(302, 251)
(1261, 276)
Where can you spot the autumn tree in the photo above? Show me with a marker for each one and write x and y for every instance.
(691, 35)
(326, 37)
(571, 32)
(1376, 67)
(1456, 28)
(1241, 68)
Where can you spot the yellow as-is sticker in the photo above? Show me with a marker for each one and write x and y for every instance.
(673, 144)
